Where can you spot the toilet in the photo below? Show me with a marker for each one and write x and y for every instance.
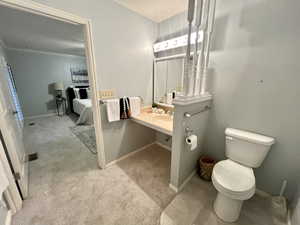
(234, 178)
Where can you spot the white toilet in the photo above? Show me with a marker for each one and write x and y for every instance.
(234, 178)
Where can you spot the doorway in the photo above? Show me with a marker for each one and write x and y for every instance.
(19, 156)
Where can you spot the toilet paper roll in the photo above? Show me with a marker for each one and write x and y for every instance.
(192, 142)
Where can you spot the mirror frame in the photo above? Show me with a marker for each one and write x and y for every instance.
(154, 75)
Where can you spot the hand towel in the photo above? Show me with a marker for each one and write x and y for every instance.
(124, 108)
(135, 105)
(113, 109)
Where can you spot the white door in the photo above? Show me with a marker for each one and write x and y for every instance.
(12, 132)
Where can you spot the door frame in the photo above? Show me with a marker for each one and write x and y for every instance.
(43, 10)
(11, 194)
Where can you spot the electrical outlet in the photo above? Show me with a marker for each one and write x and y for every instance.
(107, 94)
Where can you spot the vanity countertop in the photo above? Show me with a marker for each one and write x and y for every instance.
(160, 122)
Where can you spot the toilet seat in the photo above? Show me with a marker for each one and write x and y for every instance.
(234, 180)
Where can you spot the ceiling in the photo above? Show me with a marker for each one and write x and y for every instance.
(156, 10)
(24, 30)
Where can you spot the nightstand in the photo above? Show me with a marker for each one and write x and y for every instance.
(61, 102)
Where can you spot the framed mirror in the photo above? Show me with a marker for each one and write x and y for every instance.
(167, 79)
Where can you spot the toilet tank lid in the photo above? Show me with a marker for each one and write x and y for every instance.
(249, 136)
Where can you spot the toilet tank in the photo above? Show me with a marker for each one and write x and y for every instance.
(247, 148)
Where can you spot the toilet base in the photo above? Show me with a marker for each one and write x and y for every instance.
(227, 209)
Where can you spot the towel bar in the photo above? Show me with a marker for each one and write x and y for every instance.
(189, 115)
(103, 101)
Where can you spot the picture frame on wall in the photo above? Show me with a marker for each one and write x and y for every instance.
(79, 75)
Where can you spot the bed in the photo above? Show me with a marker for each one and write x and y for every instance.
(81, 107)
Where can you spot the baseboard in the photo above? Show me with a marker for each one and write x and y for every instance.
(129, 154)
(183, 184)
(187, 180)
(163, 146)
(39, 116)
(289, 221)
(173, 188)
(262, 193)
(8, 218)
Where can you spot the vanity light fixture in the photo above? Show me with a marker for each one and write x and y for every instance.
(177, 42)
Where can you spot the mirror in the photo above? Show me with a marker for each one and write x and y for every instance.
(168, 75)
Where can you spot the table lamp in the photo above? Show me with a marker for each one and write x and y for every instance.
(59, 87)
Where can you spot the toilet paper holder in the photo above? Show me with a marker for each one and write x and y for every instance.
(188, 131)
(191, 139)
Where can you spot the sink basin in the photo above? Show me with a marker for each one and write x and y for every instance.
(160, 122)
(162, 117)
(165, 117)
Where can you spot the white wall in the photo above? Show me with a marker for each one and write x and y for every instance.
(183, 160)
(123, 45)
(3, 210)
(35, 72)
(255, 82)
(164, 139)
(295, 207)
(2, 50)
(124, 57)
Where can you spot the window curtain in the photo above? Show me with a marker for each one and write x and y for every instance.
(13, 91)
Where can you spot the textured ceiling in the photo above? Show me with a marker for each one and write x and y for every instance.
(156, 10)
(28, 31)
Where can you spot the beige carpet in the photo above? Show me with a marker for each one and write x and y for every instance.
(194, 206)
(67, 188)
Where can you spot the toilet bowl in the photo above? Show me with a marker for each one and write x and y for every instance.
(234, 178)
(234, 183)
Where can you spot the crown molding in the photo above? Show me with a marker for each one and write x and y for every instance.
(41, 52)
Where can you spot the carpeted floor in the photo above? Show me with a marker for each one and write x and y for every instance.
(194, 206)
(67, 188)
(86, 135)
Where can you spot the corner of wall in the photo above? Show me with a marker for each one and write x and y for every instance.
(184, 161)
(294, 208)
